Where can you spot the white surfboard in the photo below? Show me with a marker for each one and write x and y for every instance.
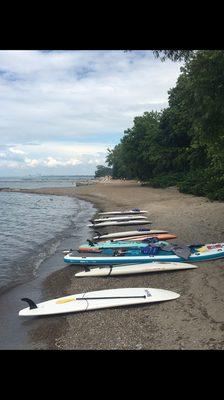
(159, 236)
(128, 233)
(123, 212)
(96, 300)
(134, 269)
(118, 223)
(129, 218)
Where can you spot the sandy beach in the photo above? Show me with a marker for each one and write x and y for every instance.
(195, 320)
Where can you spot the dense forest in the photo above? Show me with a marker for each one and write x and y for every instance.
(182, 145)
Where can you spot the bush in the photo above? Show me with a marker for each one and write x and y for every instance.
(193, 183)
(204, 183)
(217, 195)
(163, 181)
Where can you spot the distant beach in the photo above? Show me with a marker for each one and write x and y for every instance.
(194, 321)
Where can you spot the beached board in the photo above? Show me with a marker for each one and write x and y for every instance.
(88, 247)
(123, 212)
(129, 218)
(159, 236)
(135, 269)
(125, 234)
(198, 253)
(98, 299)
(117, 223)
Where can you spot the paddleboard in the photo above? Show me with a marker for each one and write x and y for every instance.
(123, 212)
(92, 247)
(129, 218)
(134, 269)
(117, 223)
(125, 234)
(198, 253)
(96, 300)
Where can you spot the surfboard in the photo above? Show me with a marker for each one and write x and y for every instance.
(134, 269)
(129, 218)
(96, 300)
(125, 234)
(123, 212)
(198, 253)
(159, 236)
(118, 223)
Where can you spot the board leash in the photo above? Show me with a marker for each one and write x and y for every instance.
(114, 297)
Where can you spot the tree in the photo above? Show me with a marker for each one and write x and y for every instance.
(101, 170)
(186, 138)
(175, 55)
(134, 156)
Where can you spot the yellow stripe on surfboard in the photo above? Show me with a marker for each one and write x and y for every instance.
(65, 300)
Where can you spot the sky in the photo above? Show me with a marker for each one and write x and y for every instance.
(61, 110)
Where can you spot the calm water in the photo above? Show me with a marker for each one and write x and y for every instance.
(34, 229)
(41, 181)
(31, 227)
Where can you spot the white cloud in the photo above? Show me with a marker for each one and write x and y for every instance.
(73, 161)
(15, 150)
(52, 162)
(52, 155)
(31, 163)
(72, 103)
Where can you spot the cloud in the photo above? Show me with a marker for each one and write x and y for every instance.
(52, 162)
(31, 163)
(82, 100)
(52, 155)
(16, 150)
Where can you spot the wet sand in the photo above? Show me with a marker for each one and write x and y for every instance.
(195, 320)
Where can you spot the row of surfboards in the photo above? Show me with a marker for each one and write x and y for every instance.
(106, 264)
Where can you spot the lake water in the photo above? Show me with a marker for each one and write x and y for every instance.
(33, 230)
(41, 181)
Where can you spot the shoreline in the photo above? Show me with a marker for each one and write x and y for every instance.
(52, 280)
(195, 320)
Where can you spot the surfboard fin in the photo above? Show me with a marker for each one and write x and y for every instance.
(30, 302)
(98, 233)
(90, 242)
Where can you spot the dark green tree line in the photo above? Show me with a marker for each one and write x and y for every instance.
(183, 144)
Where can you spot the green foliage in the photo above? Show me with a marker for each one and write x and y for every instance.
(174, 55)
(203, 183)
(117, 159)
(184, 144)
(193, 183)
(162, 181)
(102, 171)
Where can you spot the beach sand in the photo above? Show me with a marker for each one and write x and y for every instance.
(193, 321)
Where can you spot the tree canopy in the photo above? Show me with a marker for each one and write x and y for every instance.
(102, 170)
(184, 143)
(175, 55)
